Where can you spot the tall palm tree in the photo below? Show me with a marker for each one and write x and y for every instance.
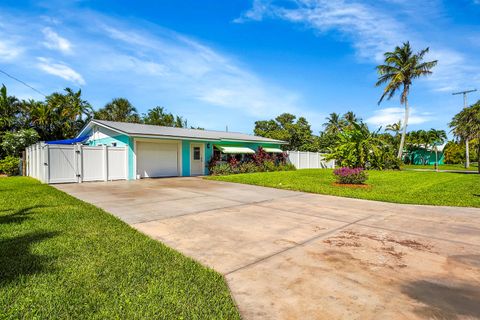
(334, 124)
(401, 67)
(466, 126)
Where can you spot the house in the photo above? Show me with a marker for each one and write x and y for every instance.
(157, 151)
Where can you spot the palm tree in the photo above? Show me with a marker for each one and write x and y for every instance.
(394, 127)
(466, 126)
(401, 67)
(334, 124)
(119, 109)
(350, 117)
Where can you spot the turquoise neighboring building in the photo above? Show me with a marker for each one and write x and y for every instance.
(157, 151)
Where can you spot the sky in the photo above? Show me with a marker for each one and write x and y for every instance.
(231, 63)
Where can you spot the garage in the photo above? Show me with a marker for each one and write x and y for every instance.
(157, 159)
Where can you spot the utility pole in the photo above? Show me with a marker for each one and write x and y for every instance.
(465, 105)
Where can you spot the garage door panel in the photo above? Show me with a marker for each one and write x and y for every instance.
(157, 159)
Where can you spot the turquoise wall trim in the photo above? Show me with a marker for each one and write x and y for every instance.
(121, 140)
(186, 158)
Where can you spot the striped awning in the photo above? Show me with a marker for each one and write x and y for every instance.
(273, 150)
(235, 150)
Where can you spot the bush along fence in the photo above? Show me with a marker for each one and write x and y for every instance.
(309, 160)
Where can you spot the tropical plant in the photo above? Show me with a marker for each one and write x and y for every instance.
(401, 67)
(9, 110)
(357, 147)
(466, 126)
(119, 109)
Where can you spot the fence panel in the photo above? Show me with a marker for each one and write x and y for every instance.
(309, 160)
(116, 163)
(92, 163)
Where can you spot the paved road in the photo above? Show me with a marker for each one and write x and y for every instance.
(292, 255)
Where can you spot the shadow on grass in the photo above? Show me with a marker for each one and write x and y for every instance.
(17, 260)
(17, 216)
(444, 301)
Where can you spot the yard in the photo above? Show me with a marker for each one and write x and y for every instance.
(62, 258)
(414, 187)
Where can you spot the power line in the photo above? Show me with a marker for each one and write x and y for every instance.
(22, 82)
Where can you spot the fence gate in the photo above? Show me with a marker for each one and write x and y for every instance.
(76, 163)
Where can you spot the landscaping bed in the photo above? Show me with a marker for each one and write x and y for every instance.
(62, 258)
(414, 187)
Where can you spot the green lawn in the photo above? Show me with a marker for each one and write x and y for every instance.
(473, 167)
(61, 258)
(435, 188)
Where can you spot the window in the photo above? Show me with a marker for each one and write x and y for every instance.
(196, 153)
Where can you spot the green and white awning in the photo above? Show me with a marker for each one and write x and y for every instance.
(273, 150)
(235, 150)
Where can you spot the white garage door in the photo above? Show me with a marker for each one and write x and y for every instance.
(157, 159)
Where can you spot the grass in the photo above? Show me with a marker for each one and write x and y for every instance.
(61, 258)
(461, 167)
(414, 187)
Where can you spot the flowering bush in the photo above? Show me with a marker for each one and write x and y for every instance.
(347, 175)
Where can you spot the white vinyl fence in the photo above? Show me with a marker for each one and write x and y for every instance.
(309, 160)
(55, 163)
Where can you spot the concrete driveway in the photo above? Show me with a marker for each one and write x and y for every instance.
(292, 255)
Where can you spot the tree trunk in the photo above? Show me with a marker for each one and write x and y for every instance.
(467, 154)
(404, 131)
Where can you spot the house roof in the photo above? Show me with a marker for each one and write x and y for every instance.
(137, 129)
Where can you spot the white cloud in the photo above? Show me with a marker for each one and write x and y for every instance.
(9, 50)
(56, 42)
(60, 70)
(386, 116)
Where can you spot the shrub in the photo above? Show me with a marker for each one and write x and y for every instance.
(10, 165)
(247, 167)
(269, 166)
(347, 175)
(221, 169)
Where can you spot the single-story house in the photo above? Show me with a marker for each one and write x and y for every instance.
(157, 151)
